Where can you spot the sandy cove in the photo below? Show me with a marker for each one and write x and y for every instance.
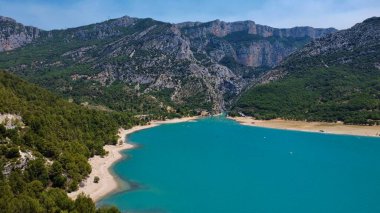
(101, 165)
(332, 128)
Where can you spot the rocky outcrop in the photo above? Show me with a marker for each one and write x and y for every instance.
(365, 34)
(21, 163)
(14, 35)
(246, 42)
(11, 121)
(110, 28)
(216, 28)
(221, 29)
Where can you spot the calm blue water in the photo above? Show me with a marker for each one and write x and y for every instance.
(216, 165)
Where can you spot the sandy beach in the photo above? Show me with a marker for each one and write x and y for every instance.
(101, 165)
(332, 128)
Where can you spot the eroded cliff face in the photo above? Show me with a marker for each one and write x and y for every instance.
(345, 47)
(248, 43)
(192, 65)
(14, 35)
(358, 38)
(222, 29)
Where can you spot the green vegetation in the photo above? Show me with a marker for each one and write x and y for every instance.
(116, 66)
(52, 44)
(312, 91)
(96, 179)
(58, 137)
(51, 62)
(335, 78)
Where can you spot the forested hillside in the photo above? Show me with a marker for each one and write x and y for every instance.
(44, 150)
(146, 66)
(335, 78)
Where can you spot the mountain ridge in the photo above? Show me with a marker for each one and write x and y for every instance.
(155, 64)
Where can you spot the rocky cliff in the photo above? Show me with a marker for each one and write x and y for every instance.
(365, 35)
(14, 35)
(246, 42)
(345, 47)
(143, 65)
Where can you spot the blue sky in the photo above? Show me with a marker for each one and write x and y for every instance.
(58, 14)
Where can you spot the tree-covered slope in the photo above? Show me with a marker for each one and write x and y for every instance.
(334, 78)
(44, 151)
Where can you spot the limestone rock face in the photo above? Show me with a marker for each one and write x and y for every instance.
(344, 47)
(14, 35)
(248, 43)
(362, 35)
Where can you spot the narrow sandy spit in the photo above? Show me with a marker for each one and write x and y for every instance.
(101, 165)
(332, 128)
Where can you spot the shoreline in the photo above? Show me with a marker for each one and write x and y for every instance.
(101, 166)
(318, 127)
(109, 182)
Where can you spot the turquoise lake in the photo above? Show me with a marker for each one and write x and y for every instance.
(216, 165)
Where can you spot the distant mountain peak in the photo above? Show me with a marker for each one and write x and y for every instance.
(362, 35)
(125, 19)
(372, 20)
(6, 19)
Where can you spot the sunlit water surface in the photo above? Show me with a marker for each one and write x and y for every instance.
(217, 165)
